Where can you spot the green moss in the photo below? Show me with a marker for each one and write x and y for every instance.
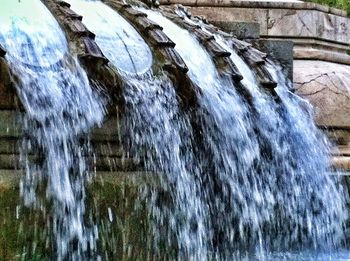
(122, 220)
(21, 231)
(341, 4)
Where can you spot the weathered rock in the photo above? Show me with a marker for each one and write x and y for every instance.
(327, 86)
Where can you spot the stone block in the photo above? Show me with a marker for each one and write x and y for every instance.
(340, 137)
(280, 51)
(9, 146)
(241, 30)
(327, 86)
(228, 14)
(290, 22)
(279, 19)
(308, 23)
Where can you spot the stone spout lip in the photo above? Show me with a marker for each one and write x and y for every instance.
(2, 51)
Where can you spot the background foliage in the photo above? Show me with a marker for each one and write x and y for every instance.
(341, 4)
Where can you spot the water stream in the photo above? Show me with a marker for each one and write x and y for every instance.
(60, 106)
(263, 170)
(152, 127)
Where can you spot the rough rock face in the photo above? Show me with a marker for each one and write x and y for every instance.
(327, 86)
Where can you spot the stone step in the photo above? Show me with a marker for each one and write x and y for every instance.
(99, 148)
(11, 122)
(341, 163)
(102, 163)
(341, 151)
(11, 178)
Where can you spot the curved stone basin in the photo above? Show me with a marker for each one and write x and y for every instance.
(21, 20)
(118, 40)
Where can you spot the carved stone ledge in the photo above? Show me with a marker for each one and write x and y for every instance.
(233, 70)
(203, 36)
(303, 23)
(294, 5)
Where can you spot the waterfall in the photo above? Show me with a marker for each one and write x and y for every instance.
(60, 106)
(153, 127)
(236, 178)
(262, 170)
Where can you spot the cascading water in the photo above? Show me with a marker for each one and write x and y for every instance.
(262, 173)
(60, 106)
(235, 179)
(304, 151)
(153, 129)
